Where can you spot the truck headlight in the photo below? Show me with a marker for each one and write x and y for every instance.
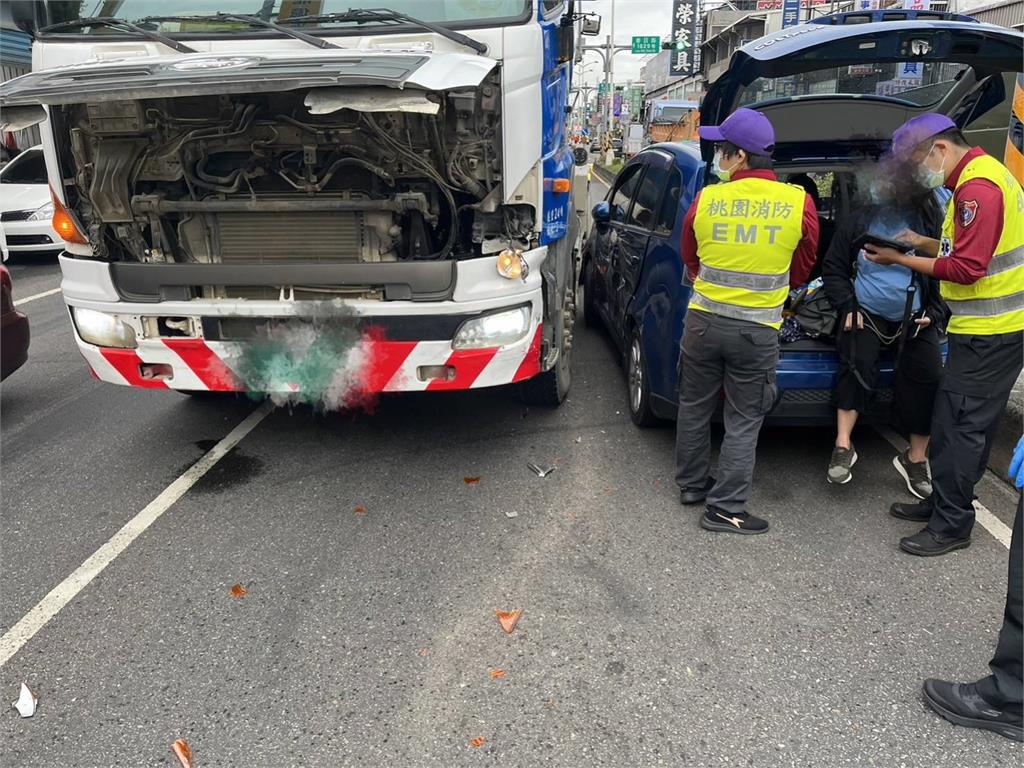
(102, 329)
(495, 330)
(42, 213)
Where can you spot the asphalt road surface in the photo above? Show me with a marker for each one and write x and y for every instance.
(368, 636)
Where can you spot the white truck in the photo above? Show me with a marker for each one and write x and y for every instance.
(318, 201)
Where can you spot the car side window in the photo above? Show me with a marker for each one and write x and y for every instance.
(648, 197)
(670, 203)
(623, 192)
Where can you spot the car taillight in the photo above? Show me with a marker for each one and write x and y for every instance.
(64, 223)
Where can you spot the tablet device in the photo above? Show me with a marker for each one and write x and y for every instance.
(869, 239)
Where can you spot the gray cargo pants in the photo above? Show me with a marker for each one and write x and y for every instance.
(741, 357)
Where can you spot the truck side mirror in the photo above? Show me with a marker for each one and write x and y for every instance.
(602, 212)
(580, 155)
(566, 40)
(591, 25)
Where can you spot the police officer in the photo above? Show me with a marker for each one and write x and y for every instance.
(744, 243)
(980, 267)
(996, 702)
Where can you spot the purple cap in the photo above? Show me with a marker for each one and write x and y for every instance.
(908, 136)
(746, 129)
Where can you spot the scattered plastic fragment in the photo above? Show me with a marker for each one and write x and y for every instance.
(238, 591)
(511, 513)
(542, 470)
(360, 510)
(479, 741)
(579, 439)
(183, 752)
(509, 619)
(471, 480)
(497, 673)
(26, 703)
(423, 651)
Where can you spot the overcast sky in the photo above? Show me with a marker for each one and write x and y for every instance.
(632, 17)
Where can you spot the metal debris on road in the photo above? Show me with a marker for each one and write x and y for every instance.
(509, 619)
(541, 470)
(510, 513)
(26, 703)
(183, 752)
(238, 591)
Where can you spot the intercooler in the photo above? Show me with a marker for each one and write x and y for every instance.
(311, 236)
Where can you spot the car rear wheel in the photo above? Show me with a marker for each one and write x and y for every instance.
(638, 383)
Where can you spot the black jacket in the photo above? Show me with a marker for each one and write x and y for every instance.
(839, 267)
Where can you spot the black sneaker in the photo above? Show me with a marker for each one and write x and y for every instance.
(696, 495)
(840, 464)
(744, 523)
(918, 513)
(960, 703)
(915, 474)
(928, 543)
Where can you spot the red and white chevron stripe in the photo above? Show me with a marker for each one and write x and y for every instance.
(379, 366)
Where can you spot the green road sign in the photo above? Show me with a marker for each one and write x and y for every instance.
(646, 44)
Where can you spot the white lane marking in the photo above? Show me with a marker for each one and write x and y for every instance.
(63, 593)
(35, 296)
(991, 523)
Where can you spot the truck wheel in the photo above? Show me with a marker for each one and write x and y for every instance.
(590, 315)
(549, 388)
(638, 383)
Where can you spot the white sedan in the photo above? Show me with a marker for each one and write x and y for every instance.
(26, 207)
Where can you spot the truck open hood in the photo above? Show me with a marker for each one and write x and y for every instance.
(205, 74)
(838, 124)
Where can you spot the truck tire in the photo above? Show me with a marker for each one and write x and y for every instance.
(549, 388)
(638, 383)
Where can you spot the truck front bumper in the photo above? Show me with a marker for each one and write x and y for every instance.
(338, 352)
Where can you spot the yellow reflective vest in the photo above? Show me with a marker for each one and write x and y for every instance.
(747, 232)
(995, 303)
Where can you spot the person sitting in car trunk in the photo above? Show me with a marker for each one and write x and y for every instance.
(872, 304)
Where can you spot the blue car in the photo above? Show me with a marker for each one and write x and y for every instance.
(835, 89)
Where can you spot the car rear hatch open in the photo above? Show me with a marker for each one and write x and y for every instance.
(838, 87)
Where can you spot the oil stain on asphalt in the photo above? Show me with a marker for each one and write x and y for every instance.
(236, 468)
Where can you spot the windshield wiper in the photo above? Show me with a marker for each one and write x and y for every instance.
(253, 21)
(109, 21)
(367, 15)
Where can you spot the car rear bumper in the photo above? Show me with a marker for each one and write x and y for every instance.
(14, 341)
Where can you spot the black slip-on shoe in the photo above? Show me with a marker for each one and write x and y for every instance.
(961, 704)
(744, 523)
(696, 495)
(918, 513)
(927, 543)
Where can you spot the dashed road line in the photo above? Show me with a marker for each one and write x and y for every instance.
(65, 592)
(984, 516)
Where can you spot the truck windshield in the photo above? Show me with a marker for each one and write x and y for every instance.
(447, 12)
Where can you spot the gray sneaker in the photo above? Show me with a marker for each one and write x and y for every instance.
(915, 474)
(840, 464)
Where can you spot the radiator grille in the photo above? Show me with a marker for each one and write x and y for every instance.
(329, 236)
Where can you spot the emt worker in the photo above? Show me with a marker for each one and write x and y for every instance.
(995, 702)
(871, 300)
(981, 268)
(744, 243)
